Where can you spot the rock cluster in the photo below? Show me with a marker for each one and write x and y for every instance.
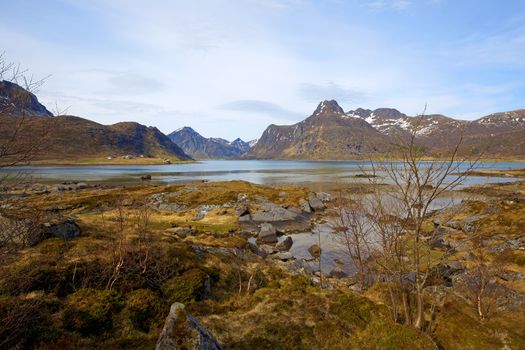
(183, 331)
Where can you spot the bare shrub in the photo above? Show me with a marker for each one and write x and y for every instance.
(400, 213)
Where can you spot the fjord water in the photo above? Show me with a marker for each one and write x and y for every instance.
(256, 171)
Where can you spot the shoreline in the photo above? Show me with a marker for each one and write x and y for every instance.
(160, 161)
(99, 162)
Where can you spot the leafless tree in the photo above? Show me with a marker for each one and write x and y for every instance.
(402, 211)
(354, 234)
(118, 244)
(481, 282)
(142, 223)
(20, 141)
(14, 148)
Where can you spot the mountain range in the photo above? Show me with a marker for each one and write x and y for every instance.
(331, 133)
(200, 147)
(74, 138)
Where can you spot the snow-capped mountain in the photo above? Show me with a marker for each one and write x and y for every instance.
(330, 133)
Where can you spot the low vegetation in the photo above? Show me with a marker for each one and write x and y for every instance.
(112, 286)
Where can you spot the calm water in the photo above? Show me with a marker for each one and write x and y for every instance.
(257, 171)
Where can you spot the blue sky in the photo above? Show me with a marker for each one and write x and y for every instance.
(229, 68)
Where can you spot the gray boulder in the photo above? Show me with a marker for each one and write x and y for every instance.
(269, 211)
(285, 244)
(337, 272)
(245, 218)
(182, 331)
(324, 197)
(513, 244)
(315, 251)
(181, 232)
(203, 210)
(268, 234)
(39, 189)
(268, 249)
(241, 209)
(315, 203)
(305, 206)
(65, 229)
(81, 185)
(257, 251)
(284, 256)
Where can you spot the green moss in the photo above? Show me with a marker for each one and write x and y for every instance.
(26, 321)
(90, 311)
(457, 327)
(31, 275)
(142, 306)
(354, 310)
(186, 288)
(277, 335)
(384, 334)
(296, 284)
(52, 248)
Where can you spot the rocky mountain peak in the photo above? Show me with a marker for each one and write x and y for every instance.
(328, 107)
(15, 100)
(360, 113)
(200, 147)
(388, 113)
(186, 129)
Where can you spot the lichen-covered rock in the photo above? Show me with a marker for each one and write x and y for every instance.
(268, 211)
(337, 272)
(268, 234)
(285, 244)
(63, 228)
(305, 206)
(284, 256)
(182, 331)
(315, 202)
(324, 197)
(181, 232)
(315, 251)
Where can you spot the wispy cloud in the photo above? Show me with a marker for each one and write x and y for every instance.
(230, 68)
(260, 107)
(500, 49)
(389, 4)
(312, 92)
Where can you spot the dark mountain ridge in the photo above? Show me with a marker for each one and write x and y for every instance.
(73, 138)
(15, 100)
(200, 147)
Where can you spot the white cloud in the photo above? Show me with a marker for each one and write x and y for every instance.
(230, 68)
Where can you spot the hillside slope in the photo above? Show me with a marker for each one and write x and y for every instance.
(26, 124)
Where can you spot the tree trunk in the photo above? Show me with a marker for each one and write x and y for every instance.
(406, 308)
(420, 308)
